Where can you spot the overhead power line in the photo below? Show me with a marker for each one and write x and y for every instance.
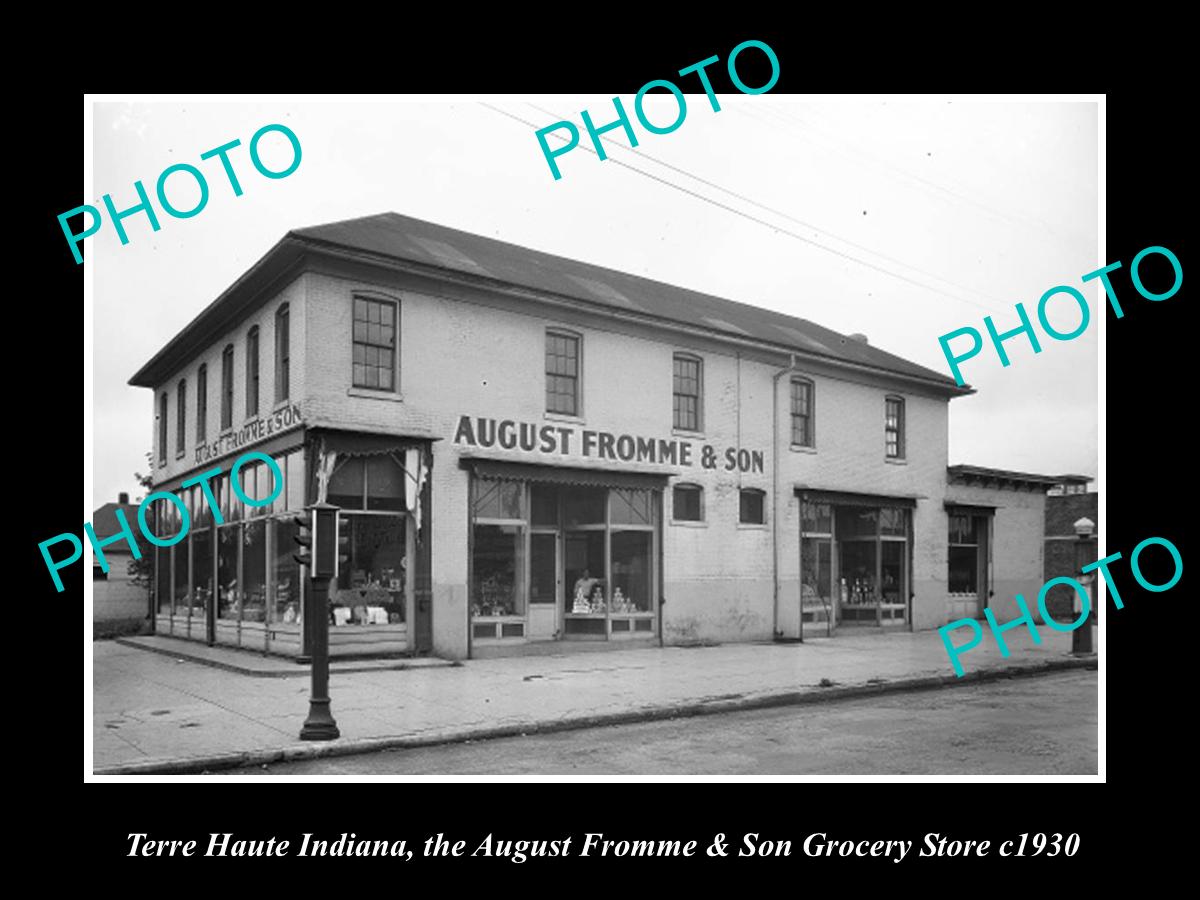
(791, 218)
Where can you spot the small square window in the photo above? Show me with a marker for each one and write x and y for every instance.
(688, 503)
(752, 508)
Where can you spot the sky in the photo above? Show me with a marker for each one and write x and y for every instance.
(901, 219)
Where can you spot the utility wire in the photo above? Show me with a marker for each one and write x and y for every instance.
(800, 124)
(789, 217)
(777, 228)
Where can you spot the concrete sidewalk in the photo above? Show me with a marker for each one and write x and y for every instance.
(155, 712)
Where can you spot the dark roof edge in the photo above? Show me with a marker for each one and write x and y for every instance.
(341, 250)
(968, 471)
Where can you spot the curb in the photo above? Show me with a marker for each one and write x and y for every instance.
(686, 709)
(301, 670)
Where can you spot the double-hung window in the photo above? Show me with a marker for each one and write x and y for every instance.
(374, 344)
(562, 373)
(803, 414)
(252, 372)
(202, 405)
(893, 427)
(227, 387)
(180, 417)
(283, 343)
(688, 377)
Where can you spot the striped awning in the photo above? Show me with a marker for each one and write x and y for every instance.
(850, 498)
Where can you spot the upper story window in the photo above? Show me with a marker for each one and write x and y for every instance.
(252, 372)
(283, 341)
(687, 386)
(687, 503)
(162, 428)
(180, 417)
(752, 507)
(893, 425)
(562, 373)
(227, 387)
(803, 413)
(202, 404)
(374, 344)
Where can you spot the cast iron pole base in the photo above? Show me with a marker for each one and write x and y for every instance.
(319, 726)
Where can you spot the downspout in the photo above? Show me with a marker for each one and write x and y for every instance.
(775, 454)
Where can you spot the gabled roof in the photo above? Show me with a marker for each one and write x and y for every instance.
(434, 248)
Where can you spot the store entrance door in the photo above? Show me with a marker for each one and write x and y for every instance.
(545, 582)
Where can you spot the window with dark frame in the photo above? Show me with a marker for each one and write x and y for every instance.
(894, 427)
(687, 503)
(802, 413)
(227, 387)
(752, 509)
(252, 372)
(283, 340)
(162, 428)
(686, 390)
(562, 373)
(202, 404)
(374, 344)
(181, 417)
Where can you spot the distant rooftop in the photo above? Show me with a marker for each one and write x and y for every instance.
(963, 474)
(391, 236)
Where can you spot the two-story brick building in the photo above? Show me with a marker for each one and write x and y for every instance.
(532, 449)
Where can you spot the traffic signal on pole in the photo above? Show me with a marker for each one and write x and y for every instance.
(303, 537)
(343, 540)
(325, 543)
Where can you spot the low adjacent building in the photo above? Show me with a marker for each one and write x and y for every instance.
(116, 596)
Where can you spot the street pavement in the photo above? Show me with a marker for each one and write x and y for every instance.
(154, 712)
(1019, 726)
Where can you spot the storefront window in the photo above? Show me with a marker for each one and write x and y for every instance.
(294, 480)
(891, 577)
(287, 607)
(385, 484)
(228, 595)
(202, 574)
(162, 567)
(857, 521)
(964, 555)
(591, 550)
(254, 571)
(543, 504)
(816, 576)
(816, 518)
(630, 507)
(163, 528)
(631, 590)
(371, 584)
(498, 500)
(180, 554)
(497, 563)
(892, 521)
(346, 484)
(584, 506)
